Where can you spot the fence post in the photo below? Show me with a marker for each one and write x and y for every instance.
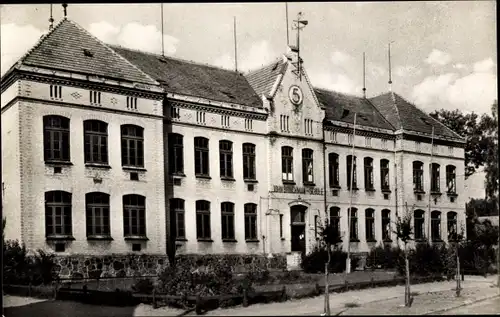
(283, 293)
(245, 297)
(198, 305)
(154, 298)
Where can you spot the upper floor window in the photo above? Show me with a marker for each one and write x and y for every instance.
(436, 225)
(96, 141)
(200, 117)
(435, 177)
(368, 162)
(226, 159)
(335, 220)
(351, 171)
(58, 213)
(418, 224)
(134, 215)
(384, 174)
(248, 161)
(55, 91)
(451, 181)
(307, 166)
(333, 163)
(386, 224)
(95, 97)
(308, 126)
(227, 220)
(287, 163)
(176, 153)
(248, 124)
(370, 224)
(284, 121)
(203, 229)
(132, 145)
(452, 225)
(177, 218)
(250, 221)
(97, 214)
(201, 160)
(224, 120)
(368, 142)
(175, 112)
(56, 138)
(131, 103)
(354, 224)
(418, 176)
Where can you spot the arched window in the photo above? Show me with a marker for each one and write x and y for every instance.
(249, 161)
(452, 225)
(351, 163)
(418, 224)
(56, 138)
(176, 154)
(335, 220)
(97, 214)
(333, 163)
(226, 159)
(384, 174)
(307, 166)
(287, 163)
(250, 221)
(177, 218)
(354, 225)
(96, 141)
(203, 228)
(132, 145)
(435, 177)
(386, 225)
(418, 176)
(201, 157)
(451, 181)
(227, 220)
(58, 214)
(368, 164)
(370, 224)
(134, 215)
(436, 225)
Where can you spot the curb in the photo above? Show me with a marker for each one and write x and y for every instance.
(465, 303)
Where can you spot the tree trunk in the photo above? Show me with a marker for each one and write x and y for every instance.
(327, 297)
(407, 286)
(458, 272)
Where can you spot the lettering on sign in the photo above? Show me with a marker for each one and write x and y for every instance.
(297, 190)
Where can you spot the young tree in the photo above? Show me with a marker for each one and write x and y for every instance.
(457, 238)
(403, 230)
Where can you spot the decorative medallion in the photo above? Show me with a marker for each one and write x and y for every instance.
(114, 101)
(76, 95)
(295, 95)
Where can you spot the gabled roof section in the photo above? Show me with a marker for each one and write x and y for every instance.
(404, 115)
(341, 107)
(69, 47)
(263, 79)
(195, 80)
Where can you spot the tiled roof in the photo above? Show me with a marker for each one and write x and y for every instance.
(341, 107)
(263, 79)
(71, 48)
(196, 80)
(404, 115)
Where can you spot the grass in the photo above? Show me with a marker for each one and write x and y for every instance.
(351, 305)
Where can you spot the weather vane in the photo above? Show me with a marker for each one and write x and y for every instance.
(298, 25)
(65, 5)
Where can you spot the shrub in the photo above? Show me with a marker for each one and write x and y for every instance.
(427, 259)
(314, 262)
(15, 263)
(385, 257)
(143, 286)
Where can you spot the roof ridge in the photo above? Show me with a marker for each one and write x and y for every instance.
(380, 113)
(337, 92)
(397, 110)
(112, 51)
(172, 58)
(277, 59)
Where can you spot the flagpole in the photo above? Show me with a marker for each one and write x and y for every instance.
(287, 26)
(348, 260)
(162, 45)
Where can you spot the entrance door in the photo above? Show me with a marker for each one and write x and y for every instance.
(298, 228)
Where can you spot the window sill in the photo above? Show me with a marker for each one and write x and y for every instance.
(437, 240)
(354, 188)
(387, 240)
(369, 189)
(203, 176)
(386, 190)
(60, 237)
(252, 240)
(437, 193)
(371, 240)
(287, 182)
(309, 184)
(136, 238)
(227, 179)
(335, 187)
(100, 237)
(418, 191)
(229, 240)
(58, 163)
(452, 194)
(354, 240)
(248, 180)
(178, 175)
(105, 166)
(134, 169)
(181, 239)
(205, 240)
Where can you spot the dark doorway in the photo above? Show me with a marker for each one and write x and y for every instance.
(298, 226)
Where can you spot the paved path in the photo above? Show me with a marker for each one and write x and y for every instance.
(491, 306)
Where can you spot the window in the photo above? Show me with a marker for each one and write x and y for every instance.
(370, 224)
(307, 166)
(226, 159)
(201, 162)
(368, 142)
(417, 146)
(176, 153)
(386, 225)
(248, 161)
(248, 124)
(308, 126)
(287, 163)
(224, 121)
(452, 225)
(55, 91)
(351, 162)
(418, 224)
(333, 136)
(436, 225)
(96, 141)
(384, 174)
(132, 103)
(333, 162)
(227, 220)
(368, 161)
(203, 220)
(435, 178)
(97, 214)
(175, 112)
(132, 146)
(335, 220)
(200, 117)
(451, 180)
(177, 213)
(418, 176)
(284, 123)
(95, 97)
(58, 214)
(134, 215)
(354, 225)
(250, 221)
(56, 138)
(281, 227)
(350, 138)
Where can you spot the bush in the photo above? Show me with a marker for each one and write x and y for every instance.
(314, 262)
(385, 257)
(427, 259)
(143, 286)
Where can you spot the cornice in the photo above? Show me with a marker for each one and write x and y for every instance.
(437, 141)
(366, 133)
(217, 110)
(350, 126)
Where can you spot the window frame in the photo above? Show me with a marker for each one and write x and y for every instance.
(226, 159)
(370, 225)
(334, 219)
(353, 229)
(287, 164)
(227, 216)
(334, 170)
(202, 157)
(435, 177)
(131, 211)
(104, 213)
(436, 225)
(451, 175)
(308, 166)
(420, 216)
(249, 170)
(203, 228)
(350, 162)
(386, 225)
(452, 223)
(418, 176)
(251, 230)
(51, 218)
(385, 182)
(177, 212)
(137, 151)
(62, 131)
(368, 169)
(176, 154)
(102, 142)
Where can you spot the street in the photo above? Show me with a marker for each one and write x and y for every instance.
(491, 306)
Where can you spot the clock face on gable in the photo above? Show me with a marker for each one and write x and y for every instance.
(295, 95)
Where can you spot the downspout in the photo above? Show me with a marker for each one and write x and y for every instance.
(265, 231)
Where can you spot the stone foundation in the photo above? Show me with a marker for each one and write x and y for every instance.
(119, 265)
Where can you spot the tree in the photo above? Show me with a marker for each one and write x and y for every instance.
(457, 238)
(403, 230)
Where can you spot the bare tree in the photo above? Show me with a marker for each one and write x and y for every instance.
(457, 238)
(403, 230)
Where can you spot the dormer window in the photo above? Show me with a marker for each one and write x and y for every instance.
(88, 53)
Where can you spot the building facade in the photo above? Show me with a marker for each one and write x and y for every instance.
(111, 150)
